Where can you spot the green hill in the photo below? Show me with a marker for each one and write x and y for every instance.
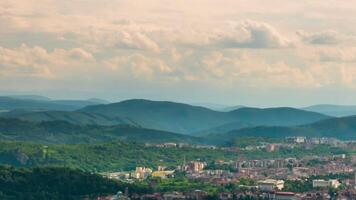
(172, 117)
(252, 117)
(59, 132)
(341, 128)
(187, 119)
(73, 117)
(120, 155)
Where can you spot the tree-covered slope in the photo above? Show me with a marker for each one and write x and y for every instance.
(64, 132)
(119, 155)
(342, 128)
(184, 118)
(73, 117)
(54, 183)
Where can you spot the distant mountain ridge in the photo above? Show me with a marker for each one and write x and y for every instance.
(341, 128)
(36, 103)
(251, 117)
(158, 115)
(187, 119)
(333, 110)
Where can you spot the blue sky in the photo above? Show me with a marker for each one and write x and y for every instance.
(232, 52)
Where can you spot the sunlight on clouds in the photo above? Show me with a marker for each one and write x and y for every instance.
(237, 43)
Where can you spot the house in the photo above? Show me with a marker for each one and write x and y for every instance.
(163, 174)
(320, 183)
(174, 196)
(285, 196)
(225, 196)
(270, 185)
(141, 173)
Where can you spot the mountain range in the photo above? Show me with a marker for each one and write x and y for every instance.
(341, 128)
(171, 118)
(60, 132)
(333, 110)
(35, 103)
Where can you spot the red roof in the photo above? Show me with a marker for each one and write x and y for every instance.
(285, 193)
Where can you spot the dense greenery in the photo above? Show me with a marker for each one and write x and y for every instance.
(342, 128)
(63, 132)
(116, 156)
(53, 183)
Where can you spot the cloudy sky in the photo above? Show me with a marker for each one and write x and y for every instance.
(250, 52)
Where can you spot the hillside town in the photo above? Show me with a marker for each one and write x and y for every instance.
(322, 177)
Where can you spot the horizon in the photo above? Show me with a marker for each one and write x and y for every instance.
(207, 104)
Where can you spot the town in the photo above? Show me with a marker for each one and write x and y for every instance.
(309, 177)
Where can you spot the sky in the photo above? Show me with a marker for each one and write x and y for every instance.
(231, 52)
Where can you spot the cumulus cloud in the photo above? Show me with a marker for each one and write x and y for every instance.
(38, 62)
(136, 40)
(122, 41)
(325, 54)
(139, 66)
(329, 37)
(253, 34)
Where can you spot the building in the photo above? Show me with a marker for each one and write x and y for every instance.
(319, 183)
(174, 196)
(195, 166)
(163, 174)
(271, 147)
(284, 196)
(141, 173)
(270, 185)
(334, 183)
(298, 139)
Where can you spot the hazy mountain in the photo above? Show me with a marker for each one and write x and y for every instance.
(212, 106)
(162, 115)
(73, 117)
(64, 132)
(159, 115)
(231, 108)
(282, 116)
(333, 110)
(35, 103)
(184, 118)
(9, 103)
(251, 117)
(342, 128)
(76, 103)
(30, 97)
(98, 101)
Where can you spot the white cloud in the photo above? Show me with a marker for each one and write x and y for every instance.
(203, 41)
(139, 66)
(136, 40)
(253, 34)
(26, 61)
(329, 37)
